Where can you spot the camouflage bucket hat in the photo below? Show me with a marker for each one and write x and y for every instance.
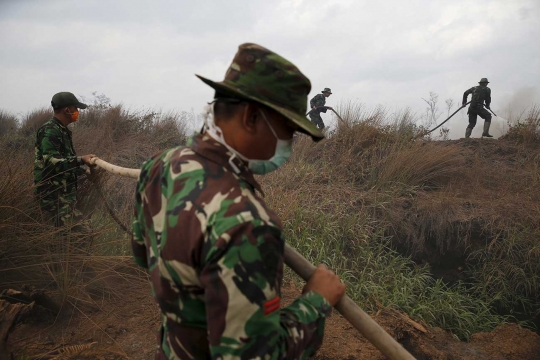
(63, 99)
(327, 90)
(263, 76)
(483, 80)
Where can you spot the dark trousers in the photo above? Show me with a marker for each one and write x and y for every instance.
(316, 119)
(474, 112)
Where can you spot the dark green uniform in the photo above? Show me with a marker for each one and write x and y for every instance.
(480, 95)
(56, 168)
(318, 101)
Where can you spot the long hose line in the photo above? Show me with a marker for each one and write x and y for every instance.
(441, 124)
(116, 170)
(334, 111)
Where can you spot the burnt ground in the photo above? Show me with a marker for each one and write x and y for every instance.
(123, 327)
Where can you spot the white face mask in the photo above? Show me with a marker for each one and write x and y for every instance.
(260, 167)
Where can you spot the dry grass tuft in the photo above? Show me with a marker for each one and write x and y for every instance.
(8, 123)
(525, 127)
(33, 120)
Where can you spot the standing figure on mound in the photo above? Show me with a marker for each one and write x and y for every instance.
(480, 95)
(317, 107)
(212, 246)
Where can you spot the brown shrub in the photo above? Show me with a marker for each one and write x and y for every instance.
(8, 123)
(525, 127)
(34, 119)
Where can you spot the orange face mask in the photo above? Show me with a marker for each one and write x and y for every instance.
(74, 115)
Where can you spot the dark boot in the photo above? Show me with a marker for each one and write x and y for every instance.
(468, 133)
(486, 129)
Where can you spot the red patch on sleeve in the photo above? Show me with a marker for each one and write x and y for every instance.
(271, 305)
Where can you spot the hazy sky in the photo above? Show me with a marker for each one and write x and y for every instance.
(145, 53)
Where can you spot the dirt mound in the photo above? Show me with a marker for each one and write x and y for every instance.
(343, 342)
(506, 342)
(492, 189)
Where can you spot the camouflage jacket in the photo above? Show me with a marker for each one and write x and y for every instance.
(318, 100)
(56, 166)
(480, 94)
(214, 252)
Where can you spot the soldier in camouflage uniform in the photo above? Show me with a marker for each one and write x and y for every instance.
(213, 248)
(317, 107)
(56, 166)
(480, 94)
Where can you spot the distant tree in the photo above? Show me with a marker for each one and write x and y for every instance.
(100, 101)
(443, 133)
(432, 111)
(449, 105)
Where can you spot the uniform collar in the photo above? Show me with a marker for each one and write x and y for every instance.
(206, 146)
(55, 119)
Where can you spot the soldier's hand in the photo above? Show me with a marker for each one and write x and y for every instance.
(86, 159)
(330, 108)
(327, 284)
(93, 173)
(464, 104)
(314, 107)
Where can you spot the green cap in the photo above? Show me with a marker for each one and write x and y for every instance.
(483, 80)
(263, 76)
(63, 99)
(327, 90)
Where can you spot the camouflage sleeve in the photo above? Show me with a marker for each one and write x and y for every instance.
(242, 295)
(138, 235)
(137, 239)
(466, 94)
(51, 145)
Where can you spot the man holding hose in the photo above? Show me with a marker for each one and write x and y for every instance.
(213, 248)
(56, 165)
(481, 96)
(317, 107)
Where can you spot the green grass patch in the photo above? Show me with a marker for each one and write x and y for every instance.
(376, 275)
